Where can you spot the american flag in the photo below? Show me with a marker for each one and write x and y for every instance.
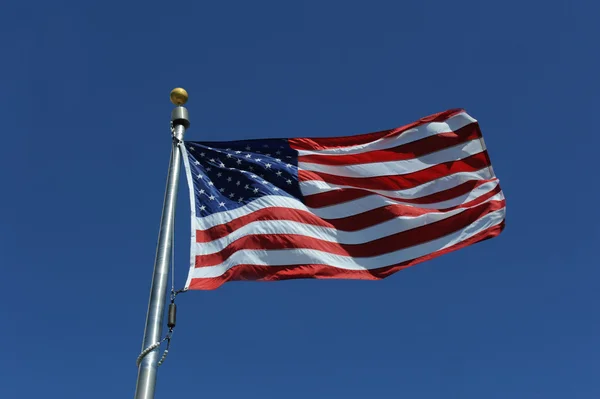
(354, 207)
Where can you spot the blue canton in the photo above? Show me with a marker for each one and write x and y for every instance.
(227, 175)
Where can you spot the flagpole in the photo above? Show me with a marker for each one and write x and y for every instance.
(146, 379)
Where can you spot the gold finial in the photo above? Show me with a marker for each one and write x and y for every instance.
(179, 96)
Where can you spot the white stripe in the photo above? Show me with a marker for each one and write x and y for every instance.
(310, 187)
(274, 227)
(401, 167)
(368, 203)
(308, 256)
(335, 211)
(417, 133)
(206, 222)
(371, 202)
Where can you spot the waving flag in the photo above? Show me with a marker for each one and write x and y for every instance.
(354, 207)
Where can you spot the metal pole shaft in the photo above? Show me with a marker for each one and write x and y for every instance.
(146, 380)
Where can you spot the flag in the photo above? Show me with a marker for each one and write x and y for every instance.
(354, 207)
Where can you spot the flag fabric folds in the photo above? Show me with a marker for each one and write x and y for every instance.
(354, 207)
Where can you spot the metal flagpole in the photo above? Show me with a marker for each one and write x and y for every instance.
(146, 379)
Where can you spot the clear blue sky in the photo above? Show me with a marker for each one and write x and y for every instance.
(85, 115)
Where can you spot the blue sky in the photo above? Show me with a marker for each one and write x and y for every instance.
(85, 116)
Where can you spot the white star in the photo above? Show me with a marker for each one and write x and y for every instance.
(197, 163)
(219, 174)
(255, 190)
(192, 149)
(202, 154)
(248, 156)
(229, 178)
(268, 155)
(248, 148)
(288, 181)
(228, 149)
(265, 182)
(208, 169)
(276, 189)
(237, 183)
(288, 157)
(268, 166)
(229, 155)
(222, 190)
(238, 152)
(289, 165)
(278, 152)
(239, 161)
(211, 183)
(278, 159)
(201, 191)
(231, 195)
(200, 176)
(261, 175)
(279, 173)
(246, 187)
(202, 208)
(212, 160)
(212, 197)
(254, 176)
(258, 159)
(222, 164)
(240, 199)
(221, 204)
(266, 145)
(251, 168)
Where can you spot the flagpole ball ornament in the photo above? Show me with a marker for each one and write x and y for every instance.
(179, 115)
(179, 96)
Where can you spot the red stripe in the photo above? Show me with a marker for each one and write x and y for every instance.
(401, 182)
(350, 223)
(339, 196)
(387, 244)
(410, 150)
(271, 213)
(245, 272)
(480, 199)
(319, 143)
